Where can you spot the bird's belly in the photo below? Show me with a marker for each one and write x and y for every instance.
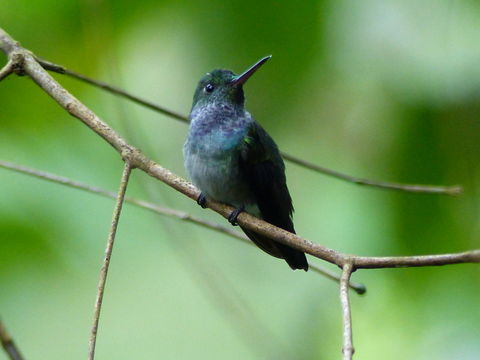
(219, 179)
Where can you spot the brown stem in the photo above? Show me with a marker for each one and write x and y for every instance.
(416, 188)
(358, 288)
(347, 349)
(6, 70)
(106, 261)
(138, 159)
(8, 344)
(427, 189)
(133, 158)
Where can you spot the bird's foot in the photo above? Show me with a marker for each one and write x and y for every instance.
(232, 218)
(202, 200)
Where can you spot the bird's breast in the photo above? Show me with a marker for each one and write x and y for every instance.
(216, 172)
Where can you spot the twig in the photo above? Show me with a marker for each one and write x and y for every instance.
(378, 262)
(112, 89)
(428, 189)
(358, 288)
(347, 349)
(136, 159)
(139, 160)
(108, 254)
(6, 70)
(8, 344)
(208, 275)
(217, 292)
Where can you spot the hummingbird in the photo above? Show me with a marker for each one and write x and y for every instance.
(233, 160)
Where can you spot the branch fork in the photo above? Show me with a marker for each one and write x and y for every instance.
(23, 61)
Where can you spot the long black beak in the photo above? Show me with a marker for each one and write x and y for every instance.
(242, 78)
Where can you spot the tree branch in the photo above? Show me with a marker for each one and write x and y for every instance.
(8, 344)
(428, 189)
(181, 215)
(219, 291)
(134, 158)
(6, 70)
(112, 89)
(347, 349)
(137, 159)
(108, 254)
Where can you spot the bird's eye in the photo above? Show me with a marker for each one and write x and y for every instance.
(209, 88)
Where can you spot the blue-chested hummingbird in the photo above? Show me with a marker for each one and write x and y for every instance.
(233, 160)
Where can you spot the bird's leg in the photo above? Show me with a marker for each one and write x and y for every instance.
(232, 218)
(202, 200)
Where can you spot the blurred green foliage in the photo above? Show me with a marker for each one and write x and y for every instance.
(381, 89)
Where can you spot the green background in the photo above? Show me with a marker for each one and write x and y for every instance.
(381, 89)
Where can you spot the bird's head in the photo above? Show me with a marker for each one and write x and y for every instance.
(223, 86)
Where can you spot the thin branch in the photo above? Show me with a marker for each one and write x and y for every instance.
(379, 262)
(8, 344)
(348, 348)
(217, 292)
(139, 160)
(6, 70)
(360, 289)
(181, 215)
(112, 89)
(134, 158)
(428, 189)
(108, 254)
(210, 279)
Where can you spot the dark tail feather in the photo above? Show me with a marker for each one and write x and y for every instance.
(295, 258)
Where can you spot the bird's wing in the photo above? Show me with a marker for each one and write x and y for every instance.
(264, 171)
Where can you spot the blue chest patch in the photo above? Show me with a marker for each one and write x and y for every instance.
(212, 154)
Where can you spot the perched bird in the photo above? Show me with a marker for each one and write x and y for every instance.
(233, 160)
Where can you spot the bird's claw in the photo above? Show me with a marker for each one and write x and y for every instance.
(232, 218)
(202, 200)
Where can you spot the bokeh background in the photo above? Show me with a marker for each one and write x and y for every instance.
(382, 89)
